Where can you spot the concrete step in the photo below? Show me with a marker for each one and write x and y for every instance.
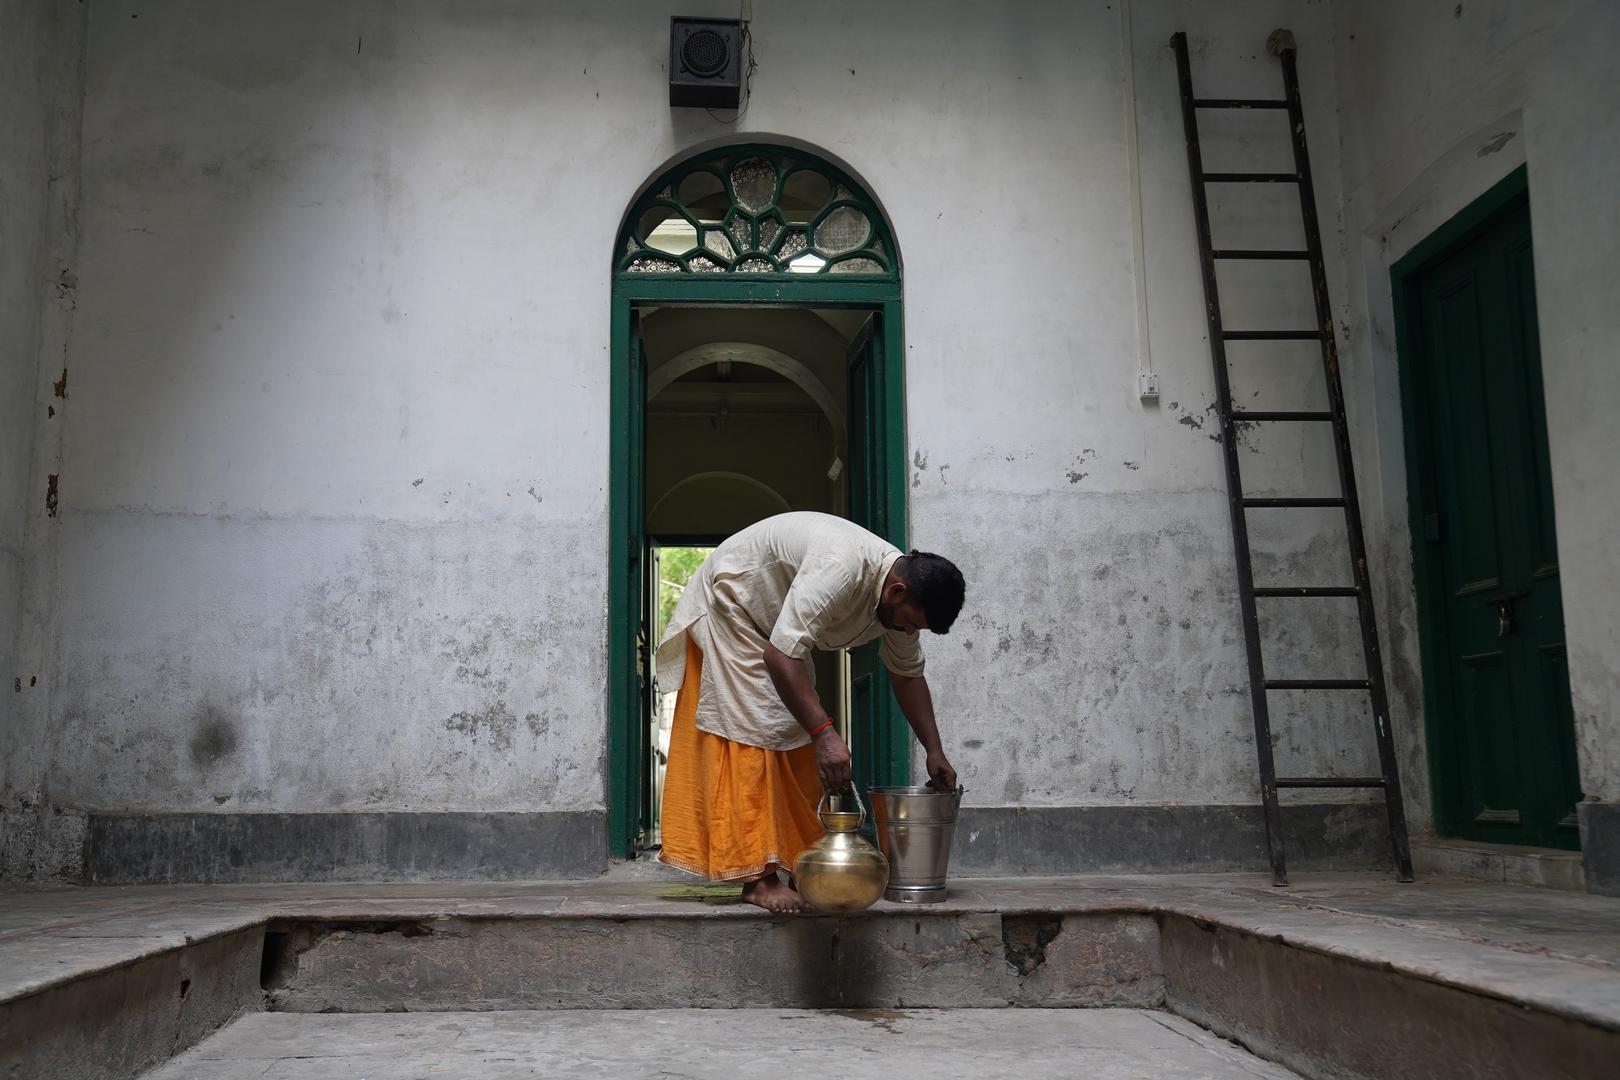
(1004, 1044)
(1340, 977)
(899, 959)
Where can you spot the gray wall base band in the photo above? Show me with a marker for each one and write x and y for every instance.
(990, 841)
(237, 848)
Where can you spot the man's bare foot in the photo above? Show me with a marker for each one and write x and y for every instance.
(775, 896)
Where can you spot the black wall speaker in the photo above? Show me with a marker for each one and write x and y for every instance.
(705, 63)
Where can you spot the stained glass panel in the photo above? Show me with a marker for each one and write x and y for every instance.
(648, 264)
(739, 232)
(716, 241)
(845, 229)
(769, 230)
(717, 213)
(857, 266)
(753, 182)
(794, 244)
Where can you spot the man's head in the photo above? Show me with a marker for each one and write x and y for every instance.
(923, 592)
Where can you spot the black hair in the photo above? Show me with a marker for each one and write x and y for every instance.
(935, 583)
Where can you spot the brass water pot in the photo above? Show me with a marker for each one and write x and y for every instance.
(841, 873)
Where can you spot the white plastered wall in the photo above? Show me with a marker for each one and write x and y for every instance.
(334, 522)
(1101, 658)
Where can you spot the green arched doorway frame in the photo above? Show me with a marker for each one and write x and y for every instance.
(741, 241)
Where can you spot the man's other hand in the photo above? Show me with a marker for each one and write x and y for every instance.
(940, 774)
(832, 760)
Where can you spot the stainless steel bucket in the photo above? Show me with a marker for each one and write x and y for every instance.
(915, 826)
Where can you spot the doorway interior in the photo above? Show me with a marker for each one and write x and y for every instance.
(746, 417)
(1496, 682)
(711, 434)
(736, 412)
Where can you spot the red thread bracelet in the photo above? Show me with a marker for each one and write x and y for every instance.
(822, 728)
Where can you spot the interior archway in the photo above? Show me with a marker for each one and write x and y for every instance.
(738, 352)
(713, 503)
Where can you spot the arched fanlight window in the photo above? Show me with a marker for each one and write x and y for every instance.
(756, 210)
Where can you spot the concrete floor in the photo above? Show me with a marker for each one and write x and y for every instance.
(972, 1044)
(1519, 981)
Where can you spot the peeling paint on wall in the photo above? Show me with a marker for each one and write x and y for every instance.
(494, 725)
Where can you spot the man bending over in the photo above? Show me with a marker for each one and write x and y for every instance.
(752, 748)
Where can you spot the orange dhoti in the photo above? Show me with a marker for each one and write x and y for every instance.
(733, 812)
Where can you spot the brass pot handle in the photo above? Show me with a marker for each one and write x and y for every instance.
(853, 790)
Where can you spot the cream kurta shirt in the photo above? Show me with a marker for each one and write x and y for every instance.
(801, 581)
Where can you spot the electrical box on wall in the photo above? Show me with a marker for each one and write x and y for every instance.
(705, 62)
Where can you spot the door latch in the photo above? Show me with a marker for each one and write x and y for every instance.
(1504, 610)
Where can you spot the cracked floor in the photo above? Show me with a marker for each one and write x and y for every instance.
(967, 1044)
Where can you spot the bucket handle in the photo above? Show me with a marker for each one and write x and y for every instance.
(853, 790)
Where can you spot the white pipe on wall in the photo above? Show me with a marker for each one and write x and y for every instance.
(1147, 381)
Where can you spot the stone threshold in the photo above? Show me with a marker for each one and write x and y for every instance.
(1507, 864)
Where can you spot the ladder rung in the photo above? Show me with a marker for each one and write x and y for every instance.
(1259, 253)
(1307, 590)
(1272, 335)
(1260, 414)
(1249, 177)
(1330, 781)
(1290, 503)
(1240, 103)
(1317, 684)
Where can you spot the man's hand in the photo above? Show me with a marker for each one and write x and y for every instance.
(940, 774)
(832, 760)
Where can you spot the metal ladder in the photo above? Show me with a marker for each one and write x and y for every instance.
(1281, 44)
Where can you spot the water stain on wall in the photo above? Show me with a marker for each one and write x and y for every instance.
(214, 736)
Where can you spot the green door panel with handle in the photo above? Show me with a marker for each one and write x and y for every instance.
(1504, 733)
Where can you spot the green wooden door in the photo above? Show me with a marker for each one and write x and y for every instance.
(1505, 732)
(879, 752)
(639, 653)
